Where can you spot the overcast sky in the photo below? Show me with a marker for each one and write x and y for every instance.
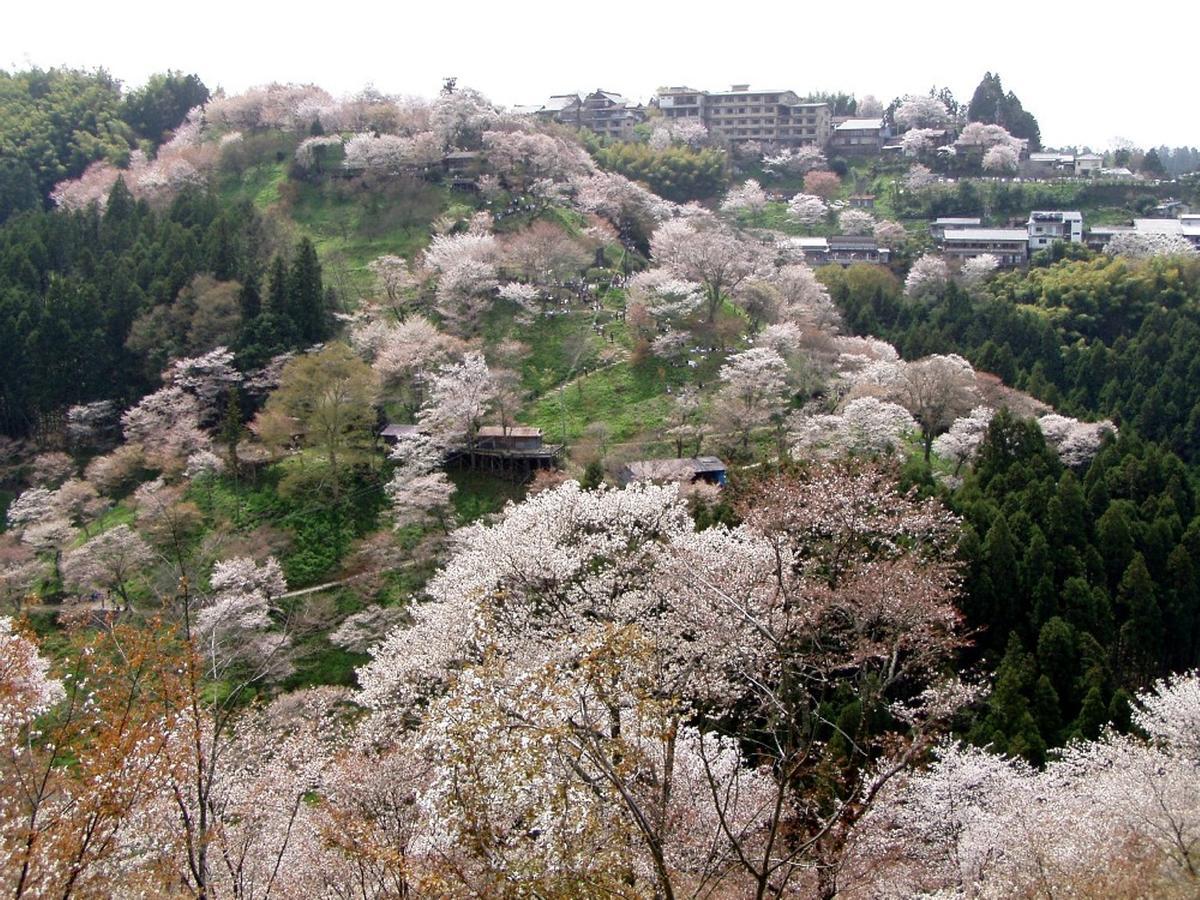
(1091, 73)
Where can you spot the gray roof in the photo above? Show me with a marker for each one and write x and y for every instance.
(560, 101)
(855, 241)
(952, 220)
(861, 125)
(1055, 215)
(515, 431)
(672, 469)
(987, 234)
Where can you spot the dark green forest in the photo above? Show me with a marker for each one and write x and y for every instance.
(93, 304)
(1081, 585)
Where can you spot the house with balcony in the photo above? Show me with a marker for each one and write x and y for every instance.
(1046, 227)
(610, 114)
(859, 137)
(603, 112)
(840, 249)
(1009, 245)
(1049, 165)
(940, 226)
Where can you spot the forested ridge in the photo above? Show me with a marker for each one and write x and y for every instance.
(326, 569)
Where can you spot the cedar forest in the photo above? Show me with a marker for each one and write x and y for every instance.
(937, 632)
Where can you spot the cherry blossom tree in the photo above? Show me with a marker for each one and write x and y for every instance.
(806, 301)
(93, 425)
(794, 161)
(30, 507)
(921, 112)
(847, 548)
(976, 270)
(314, 151)
(631, 209)
(692, 132)
(112, 562)
(520, 158)
(889, 234)
(937, 390)
(208, 378)
(824, 184)
(405, 354)
(869, 107)
(466, 269)
(1076, 443)
(960, 444)
(996, 826)
(417, 492)
(927, 278)
(460, 395)
(166, 424)
(20, 573)
(685, 424)
(459, 118)
(748, 197)
(807, 209)
(544, 254)
(984, 136)
(397, 282)
(234, 622)
(856, 221)
(561, 646)
(92, 187)
(1142, 245)
(919, 177)
(1001, 158)
(920, 141)
(753, 392)
(707, 254)
(866, 425)
(664, 296)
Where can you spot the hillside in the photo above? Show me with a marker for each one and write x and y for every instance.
(319, 420)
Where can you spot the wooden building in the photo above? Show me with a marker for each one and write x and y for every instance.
(709, 469)
(514, 448)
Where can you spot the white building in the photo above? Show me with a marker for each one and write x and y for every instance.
(1046, 227)
(1088, 164)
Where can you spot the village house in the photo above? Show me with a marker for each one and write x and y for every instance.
(517, 448)
(610, 114)
(463, 168)
(1186, 225)
(859, 137)
(603, 112)
(840, 249)
(1049, 165)
(738, 115)
(1089, 164)
(938, 227)
(1046, 227)
(1009, 245)
(863, 201)
(708, 469)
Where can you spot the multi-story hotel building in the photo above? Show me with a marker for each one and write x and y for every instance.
(740, 115)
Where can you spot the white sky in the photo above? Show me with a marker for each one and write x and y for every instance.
(1090, 72)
